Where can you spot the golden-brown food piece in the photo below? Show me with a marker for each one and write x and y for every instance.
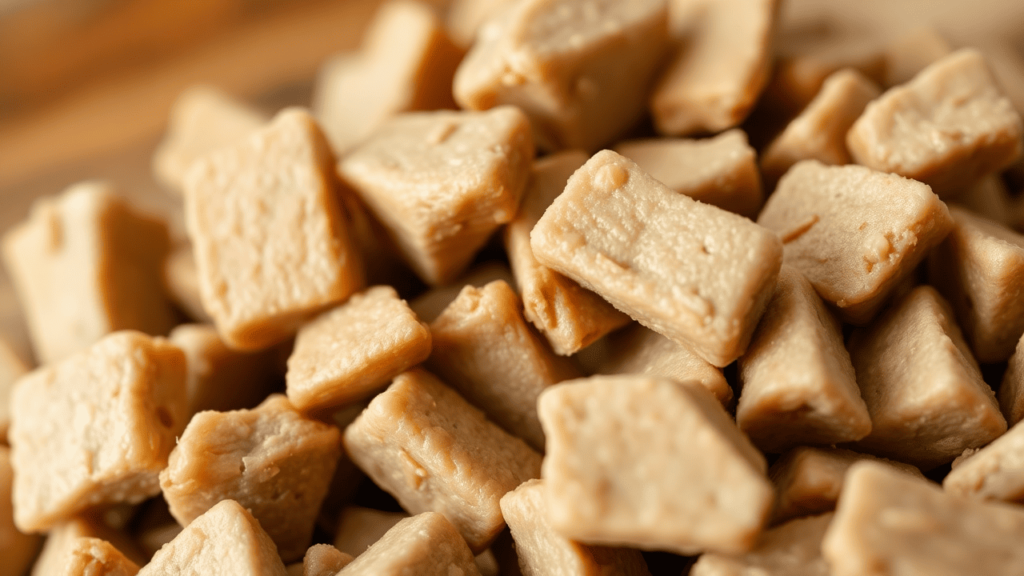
(95, 557)
(323, 560)
(182, 283)
(61, 540)
(912, 52)
(269, 235)
(11, 368)
(1011, 393)
(427, 545)
(16, 549)
(995, 472)
(792, 549)
(429, 305)
(693, 272)
(358, 528)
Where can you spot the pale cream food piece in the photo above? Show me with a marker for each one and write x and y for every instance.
(95, 557)
(792, 549)
(426, 544)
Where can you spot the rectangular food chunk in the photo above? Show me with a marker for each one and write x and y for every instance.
(792, 549)
(11, 368)
(95, 557)
(426, 544)
(995, 472)
(17, 550)
(695, 273)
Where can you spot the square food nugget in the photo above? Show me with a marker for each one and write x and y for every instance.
(269, 234)
(442, 182)
(347, 353)
(792, 549)
(433, 451)
(948, 127)
(95, 557)
(426, 544)
(693, 272)
(853, 232)
(86, 264)
(95, 428)
(645, 462)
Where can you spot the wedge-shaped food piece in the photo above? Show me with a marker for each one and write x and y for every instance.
(271, 460)
(569, 316)
(798, 382)
(406, 63)
(890, 523)
(182, 282)
(17, 550)
(466, 17)
(485, 349)
(542, 551)
(721, 171)
(426, 544)
(924, 391)
(95, 557)
(442, 182)
(948, 127)
(358, 528)
(429, 305)
(1011, 393)
(433, 451)
(86, 264)
(11, 368)
(693, 272)
(579, 68)
(853, 232)
(323, 560)
(348, 353)
(62, 538)
(912, 52)
(270, 238)
(226, 539)
(792, 549)
(647, 463)
(996, 472)
(721, 65)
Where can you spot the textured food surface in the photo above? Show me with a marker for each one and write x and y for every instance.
(425, 544)
(95, 557)
(792, 549)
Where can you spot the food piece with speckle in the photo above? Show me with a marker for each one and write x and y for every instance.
(429, 305)
(792, 549)
(17, 550)
(95, 557)
(426, 544)
(996, 472)
(11, 368)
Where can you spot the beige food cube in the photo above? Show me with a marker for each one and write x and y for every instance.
(644, 462)
(912, 52)
(182, 283)
(95, 557)
(85, 264)
(485, 349)
(62, 539)
(465, 17)
(17, 550)
(433, 451)
(580, 69)
(798, 385)
(271, 460)
(569, 316)
(948, 127)
(792, 549)
(270, 238)
(426, 544)
(358, 528)
(348, 353)
(853, 232)
(924, 391)
(429, 305)
(442, 182)
(11, 368)
(695, 273)
(323, 560)
(996, 472)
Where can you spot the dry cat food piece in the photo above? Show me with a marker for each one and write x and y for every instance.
(433, 451)
(948, 127)
(980, 269)
(320, 560)
(426, 544)
(907, 55)
(485, 349)
(569, 316)
(348, 353)
(270, 459)
(798, 385)
(90, 239)
(61, 541)
(182, 283)
(853, 232)
(644, 462)
(358, 528)
(406, 63)
(429, 305)
(442, 182)
(890, 523)
(927, 400)
(95, 557)
(996, 472)
(17, 550)
(693, 272)
(721, 171)
(11, 369)
(95, 428)
(1011, 393)
(203, 120)
(544, 552)
(224, 540)
(792, 549)
(579, 68)
(270, 238)
(722, 64)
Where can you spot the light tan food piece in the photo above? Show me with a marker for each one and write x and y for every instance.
(323, 560)
(429, 305)
(427, 544)
(1011, 393)
(722, 63)
(580, 69)
(485, 349)
(819, 132)
(406, 63)
(542, 551)
(433, 451)
(441, 182)
(721, 171)
(888, 523)
(465, 17)
(268, 232)
(924, 391)
(792, 549)
(695, 273)
(11, 368)
(853, 232)
(569, 316)
(85, 264)
(203, 119)
(95, 557)
(271, 460)
(996, 472)
(16, 549)
(948, 127)
(912, 52)
(798, 385)
(224, 540)
(182, 283)
(62, 538)
(95, 428)
(644, 462)
(348, 353)
(358, 528)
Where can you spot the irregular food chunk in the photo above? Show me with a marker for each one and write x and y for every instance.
(61, 541)
(358, 528)
(11, 368)
(1011, 393)
(792, 549)
(996, 472)
(429, 305)
(426, 544)
(324, 560)
(95, 557)
(17, 550)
